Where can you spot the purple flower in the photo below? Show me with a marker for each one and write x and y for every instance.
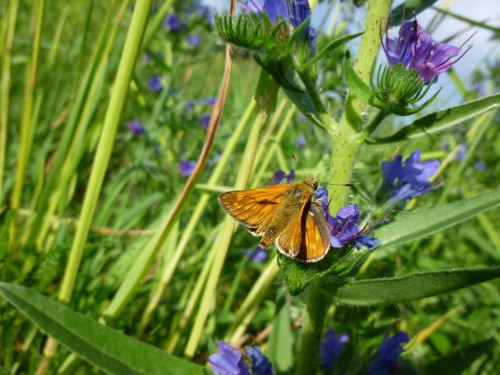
(193, 39)
(387, 353)
(479, 165)
(186, 167)
(227, 361)
(258, 254)
(462, 151)
(293, 11)
(204, 120)
(280, 175)
(189, 105)
(260, 363)
(444, 146)
(172, 22)
(415, 49)
(301, 141)
(205, 12)
(155, 84)
(403, 182)
(345, 231)
(136, 127)
(343, 228)
(208, 101)
(331, 347)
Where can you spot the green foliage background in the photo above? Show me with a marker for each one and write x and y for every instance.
(70, 83)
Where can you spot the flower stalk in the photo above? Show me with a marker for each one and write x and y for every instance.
(341, 165)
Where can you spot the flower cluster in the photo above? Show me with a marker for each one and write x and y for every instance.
(295, 12)
(251, 361)
(343, 228)
(331, 347)
(385, 359)
(229, 361)
(405, 180)
(415, 49)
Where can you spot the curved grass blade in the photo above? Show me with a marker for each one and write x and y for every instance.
(408, 288)
(423, 222)
(442, 120)
(460, 360)
(102, 346)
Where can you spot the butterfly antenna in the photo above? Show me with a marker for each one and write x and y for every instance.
(298, 166)
(328, 183)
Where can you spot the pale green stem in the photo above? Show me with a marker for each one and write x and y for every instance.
(68, 157)
(5, 86)
(118, 95)
(344, 153)
(26, 117)
(224, 239)
(478, 129)
(221, 166)
(193, 300)
(253, 298)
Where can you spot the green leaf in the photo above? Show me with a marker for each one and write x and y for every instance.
(102, 346)
(329, 48)
(422, 222)
(408, 288)
(280, 351)
(267, 92)
(409, 10)
(460, 360)
(359, 88)
(442, 120)
(293, 87)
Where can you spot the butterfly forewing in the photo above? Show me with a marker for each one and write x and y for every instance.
(255, 207)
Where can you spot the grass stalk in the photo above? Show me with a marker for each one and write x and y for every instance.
(197, 213)
(26, 128)
(253, 298)
(62, 156)
(225, 236)
(126, 67)
(135, 274)
(72, 145)
(10, 26)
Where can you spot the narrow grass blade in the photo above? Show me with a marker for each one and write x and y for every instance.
(441, 120)
(423, 222)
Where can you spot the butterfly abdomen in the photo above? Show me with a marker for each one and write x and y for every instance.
(269, 237)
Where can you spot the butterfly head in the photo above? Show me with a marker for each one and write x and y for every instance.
(312, 181)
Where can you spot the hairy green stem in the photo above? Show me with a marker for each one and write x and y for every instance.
(344, 149)
(373, 124)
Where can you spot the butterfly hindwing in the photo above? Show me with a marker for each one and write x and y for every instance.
(317, 238)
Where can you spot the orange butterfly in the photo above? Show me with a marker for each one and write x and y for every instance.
(285, 214)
